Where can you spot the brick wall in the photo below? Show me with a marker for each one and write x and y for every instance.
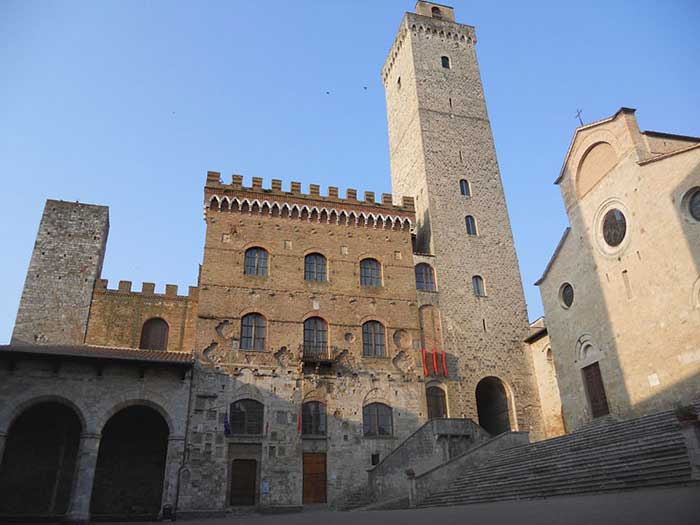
(117, 316)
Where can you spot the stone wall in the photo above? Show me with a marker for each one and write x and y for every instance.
(66, 262)
(95, 390)
(436, 442)
(543, 362)
(439, 133)
(117, 316)
(636, 307)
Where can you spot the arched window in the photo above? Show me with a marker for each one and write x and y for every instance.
(464, 188)
(370, 272)
(247, 417)
(445, 62)
(471, 225)
(376, 420)
(437, 404)
(313, 418)
(315, 267)
(253, 332)
(478, 285)
(154, 335)
(373, 341)
(425, 277)
(315, 337)
(435, 11)
(255, 262)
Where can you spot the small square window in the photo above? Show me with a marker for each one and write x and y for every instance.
(445, 62)
(375, 459)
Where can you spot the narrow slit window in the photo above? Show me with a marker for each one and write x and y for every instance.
(478, 285)
(445, 62)
(470, 223)
(464, 188)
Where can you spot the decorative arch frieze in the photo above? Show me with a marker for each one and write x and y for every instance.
(307, 213)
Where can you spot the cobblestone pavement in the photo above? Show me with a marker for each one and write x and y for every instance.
(676, 506)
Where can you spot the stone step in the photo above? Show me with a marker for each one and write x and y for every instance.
(527, 453)
(574, 442)
(541, 489)
(558, 491)
(677, 467)
(605, 456)
(627, 452)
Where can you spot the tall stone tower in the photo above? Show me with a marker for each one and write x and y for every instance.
(442, 153)
(66, 262)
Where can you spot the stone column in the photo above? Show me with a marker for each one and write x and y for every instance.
(3, 438)
(173, 462)
(79, 509)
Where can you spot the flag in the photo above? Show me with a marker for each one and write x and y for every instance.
(425, 364)
(227, 426)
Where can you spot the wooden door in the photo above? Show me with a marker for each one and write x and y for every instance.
(243, 474)
(314, 478)
(596, 390)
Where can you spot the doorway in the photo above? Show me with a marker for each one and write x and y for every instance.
(243, 481)
(314, 478)
(39, 463)
(595, 390)
(492, 406)
(130, 466)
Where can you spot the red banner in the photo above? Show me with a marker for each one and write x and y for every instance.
(444, 364)
(425, 364)
(435, 361)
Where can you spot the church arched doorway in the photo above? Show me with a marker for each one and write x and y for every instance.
(492, 406)
(38, 465)
(130, 465)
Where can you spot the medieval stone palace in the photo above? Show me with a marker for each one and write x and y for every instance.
(328, 335)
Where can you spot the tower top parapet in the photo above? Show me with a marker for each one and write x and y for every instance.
(437, 11)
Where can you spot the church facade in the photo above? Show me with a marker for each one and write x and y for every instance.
(322, 332)
(622, 291)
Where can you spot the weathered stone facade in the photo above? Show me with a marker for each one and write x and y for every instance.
(635, 311)
(66, 261)
(371, 343)
(545, 373)
(439, 134)
(94, 386)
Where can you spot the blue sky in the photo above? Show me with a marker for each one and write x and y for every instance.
(129, 103)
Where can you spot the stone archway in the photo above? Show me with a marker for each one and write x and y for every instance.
(492, 406)
(131, 465)
(39, 461)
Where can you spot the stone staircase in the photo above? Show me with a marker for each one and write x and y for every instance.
(356, 499)
(607, 455)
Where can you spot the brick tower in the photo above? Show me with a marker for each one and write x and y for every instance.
(442, 153)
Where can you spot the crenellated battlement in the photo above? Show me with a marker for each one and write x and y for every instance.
(427, 27)
(312, 206)
(147, 289)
